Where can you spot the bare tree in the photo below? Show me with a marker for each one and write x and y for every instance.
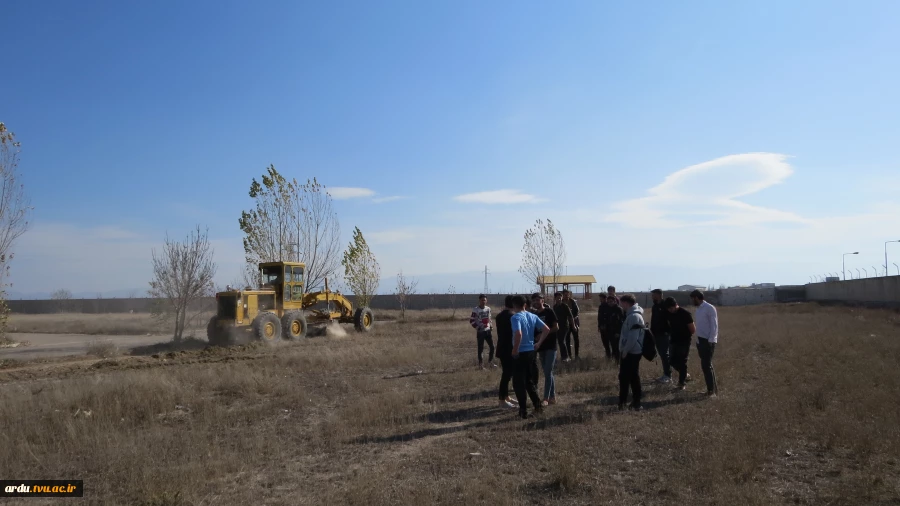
(250, 276)
(63, 299)
(14, 204)
(182, 274)
(316, 237)
(544, 253)
(14, 211)
(361, 270)
(405, 288)
(451, 296)
(292, 222)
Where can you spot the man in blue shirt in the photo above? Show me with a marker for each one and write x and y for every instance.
(524, 326)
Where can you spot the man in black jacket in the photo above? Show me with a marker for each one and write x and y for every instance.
(659, 325)
(602, 315)
(609, 322)
(566, 321)
(504, 352)
(573, 330)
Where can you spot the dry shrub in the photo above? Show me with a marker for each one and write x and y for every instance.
(102, 349)
(566, 472)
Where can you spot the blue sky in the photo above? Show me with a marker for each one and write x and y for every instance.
(753, 141)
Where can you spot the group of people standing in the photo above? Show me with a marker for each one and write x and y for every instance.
(529, 332)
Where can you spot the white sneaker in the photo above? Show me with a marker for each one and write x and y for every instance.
(509, 405)
(665, 380)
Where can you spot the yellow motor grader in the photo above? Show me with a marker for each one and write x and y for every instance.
(279, 309)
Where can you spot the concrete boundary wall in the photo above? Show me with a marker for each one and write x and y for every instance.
(461, 301)
(883, 291)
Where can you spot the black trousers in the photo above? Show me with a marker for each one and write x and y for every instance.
(525, 381)
(630, 376)
(614, 345)
(509, 366)
(572, 334)
(662, 348)
(561, 334)
(706, 350)
(678, 358)
(604, 338)
(482, 337)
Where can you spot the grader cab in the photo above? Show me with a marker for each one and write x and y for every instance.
(280, 309)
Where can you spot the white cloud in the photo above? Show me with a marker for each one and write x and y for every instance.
(390, 236)
(499, 197)
(344, 192)
(381, 200)
(708, 193)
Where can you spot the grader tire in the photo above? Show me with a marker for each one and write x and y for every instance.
(364, 319)
(293, 325)
(267, 328)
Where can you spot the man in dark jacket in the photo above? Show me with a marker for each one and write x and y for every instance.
(504, 352)
(659, 325)
(566, 321)
(609, 322)
(573, 331)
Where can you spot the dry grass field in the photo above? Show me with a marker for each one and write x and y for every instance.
(807, 414)
(144, 323)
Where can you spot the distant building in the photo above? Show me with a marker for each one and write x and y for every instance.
(691, 288)
(753, 286)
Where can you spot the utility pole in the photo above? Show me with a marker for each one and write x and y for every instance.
(485, 279)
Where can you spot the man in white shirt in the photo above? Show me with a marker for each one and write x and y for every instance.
(480, 320)
(707, 323)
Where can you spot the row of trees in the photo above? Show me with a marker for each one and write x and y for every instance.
(291, 221)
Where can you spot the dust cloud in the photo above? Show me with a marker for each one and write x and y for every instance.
(335, 330)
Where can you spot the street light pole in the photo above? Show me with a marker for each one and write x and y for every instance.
(886, 265)
(844, 263)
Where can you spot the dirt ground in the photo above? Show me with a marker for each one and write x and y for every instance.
(807, 414)
(36, 346)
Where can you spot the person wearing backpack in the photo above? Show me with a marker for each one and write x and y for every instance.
(631, 346)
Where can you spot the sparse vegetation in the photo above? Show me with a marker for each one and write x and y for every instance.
(807, 415)
(102, 349)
